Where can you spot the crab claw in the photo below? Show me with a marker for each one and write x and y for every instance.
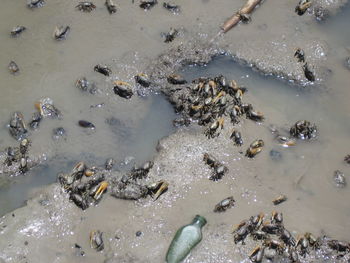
(161, 190)
(121, 83)
(221, 94)
(158, 188)
(102, 187)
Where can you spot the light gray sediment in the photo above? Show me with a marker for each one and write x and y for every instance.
(46, 229)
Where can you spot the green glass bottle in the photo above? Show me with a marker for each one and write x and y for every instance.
(186, 238)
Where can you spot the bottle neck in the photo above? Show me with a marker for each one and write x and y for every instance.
(199, 220)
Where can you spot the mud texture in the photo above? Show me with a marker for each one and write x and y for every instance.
(49, 226)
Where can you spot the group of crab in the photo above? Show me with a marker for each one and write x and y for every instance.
(17, 158)
(86, 186)
(276, 243)
(208, 100)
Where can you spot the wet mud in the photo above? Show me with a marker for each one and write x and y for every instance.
(52, 228)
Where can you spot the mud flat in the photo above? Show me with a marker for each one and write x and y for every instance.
(52, 229)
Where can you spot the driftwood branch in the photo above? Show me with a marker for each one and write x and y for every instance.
(234, 19)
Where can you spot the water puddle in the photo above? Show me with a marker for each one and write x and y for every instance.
(126, 135)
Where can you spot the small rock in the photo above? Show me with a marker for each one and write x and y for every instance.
(86, 124)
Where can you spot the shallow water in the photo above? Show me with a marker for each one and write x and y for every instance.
(128, 142)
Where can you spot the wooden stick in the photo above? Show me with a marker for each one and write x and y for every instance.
(234, 19)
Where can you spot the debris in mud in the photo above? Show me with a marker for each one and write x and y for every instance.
(17, 30)
(175, 9)
(303, 5)
(303, 130)
(148, 4)
(280, 199)
(255, 148)
(103, 69)
(61, 32)
(185, 239)
(241, 15)
(13, 68)
(96, 240)
(170, 36)
(225, 204)
(86, 124)
(339, 179)
(275, 243)
(219, 170)
(123, 89)
(85, 6)
(35, 3)
(111, 7)
(17, 127)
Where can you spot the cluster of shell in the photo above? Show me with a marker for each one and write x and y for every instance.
(275, 243)
(86, 186)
